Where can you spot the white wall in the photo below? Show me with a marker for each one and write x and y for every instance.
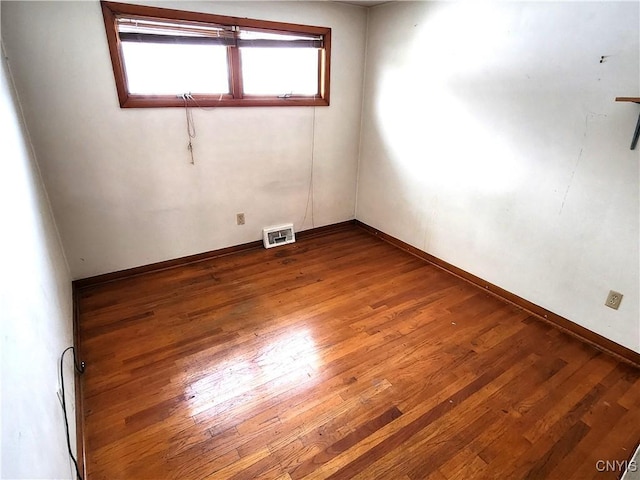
(120, 181)
(491, 140)
(35, 311)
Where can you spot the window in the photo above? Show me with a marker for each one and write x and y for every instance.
(159, 56)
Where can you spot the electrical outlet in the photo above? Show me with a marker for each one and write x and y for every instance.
(613, 300)
(240, 218)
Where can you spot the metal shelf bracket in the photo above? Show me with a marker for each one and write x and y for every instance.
(634, 141)
(636, 134)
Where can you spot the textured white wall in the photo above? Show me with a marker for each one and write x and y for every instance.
(35, 311)
(120, 181)
(491, 140)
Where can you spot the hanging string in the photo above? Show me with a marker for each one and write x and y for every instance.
(191, 127)
(206, 109)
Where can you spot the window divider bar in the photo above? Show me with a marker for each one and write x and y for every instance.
(235, 69)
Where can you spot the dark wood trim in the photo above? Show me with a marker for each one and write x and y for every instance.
(165, 101)
(628, 99)
(612, 348)
(115, 53)
(78, 384)
(235, 73)
(110, 11)
(165, 265)
(187, 16)
(157, 101)
(325, 230)
(199, 257)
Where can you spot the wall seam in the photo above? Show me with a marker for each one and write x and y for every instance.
(362, 98)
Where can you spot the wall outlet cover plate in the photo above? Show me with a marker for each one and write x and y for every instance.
(613, 299)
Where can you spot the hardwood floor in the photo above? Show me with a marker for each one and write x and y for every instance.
(339, 357)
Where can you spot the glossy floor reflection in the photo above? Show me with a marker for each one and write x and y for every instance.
(286, 362)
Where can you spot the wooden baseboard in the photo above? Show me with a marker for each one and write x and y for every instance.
(598, 341)
(326, 230)
(199, 257)
(80, 439)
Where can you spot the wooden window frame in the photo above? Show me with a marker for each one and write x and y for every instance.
(111, 11)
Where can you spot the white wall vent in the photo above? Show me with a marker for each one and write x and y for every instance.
(280, 235)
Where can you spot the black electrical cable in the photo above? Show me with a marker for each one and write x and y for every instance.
(79, 369)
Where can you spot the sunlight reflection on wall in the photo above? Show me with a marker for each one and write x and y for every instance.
(289, 361)
(431, 133)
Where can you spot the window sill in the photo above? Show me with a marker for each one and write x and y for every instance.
(164, 101)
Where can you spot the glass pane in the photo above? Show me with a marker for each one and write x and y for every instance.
(280, 71)
(165, 69)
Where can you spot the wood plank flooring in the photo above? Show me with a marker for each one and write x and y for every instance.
(339, 357)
